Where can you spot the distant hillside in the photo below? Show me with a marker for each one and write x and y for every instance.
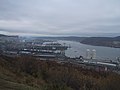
(71, 38)
(27, 73)
(103, 41)
(97, 41)
(117, 38)
(2, 35)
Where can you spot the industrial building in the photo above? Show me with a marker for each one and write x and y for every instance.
(90, 54)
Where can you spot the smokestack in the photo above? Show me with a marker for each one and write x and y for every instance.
(93, 54)
(88, 54)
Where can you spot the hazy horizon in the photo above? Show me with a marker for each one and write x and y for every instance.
(80, 35)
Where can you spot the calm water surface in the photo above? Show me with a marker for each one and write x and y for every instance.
(78, 49)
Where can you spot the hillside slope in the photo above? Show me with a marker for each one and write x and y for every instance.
(27, 73)
(103, 41)
(10, 80)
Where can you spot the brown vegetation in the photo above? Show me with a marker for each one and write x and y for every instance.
(49, 75)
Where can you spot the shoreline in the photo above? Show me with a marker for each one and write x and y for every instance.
(100, 45)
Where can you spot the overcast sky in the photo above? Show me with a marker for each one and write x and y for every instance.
(59, 17)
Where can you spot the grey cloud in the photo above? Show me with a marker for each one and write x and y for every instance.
(60, 17)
